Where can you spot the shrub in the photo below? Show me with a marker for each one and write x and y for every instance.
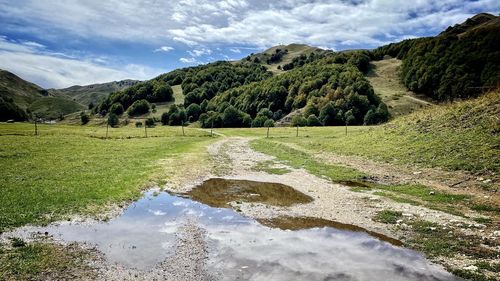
(113, 120)
(117, 108)
(259, 121)
(139, 107)
(84, 118)
(138, 124)
(269, 123)
(165, 118)
(298, 120)
(150, 122)
(312, 120)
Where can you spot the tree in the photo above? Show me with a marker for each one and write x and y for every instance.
(328, 115)
(150, 122)
(138, 108)
(116, 108)
(113, 120)
(9, 110)
(259, 121)
(84, 118)
(312, 120)
(370, 118)
(269, 123)
(193, 111)
(165, 118)
(162, 92)
(298, 120)
(91, 105)
(349, 118)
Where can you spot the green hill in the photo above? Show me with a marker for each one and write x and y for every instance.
(275, 58)
(20, 98)
(461, 62)
(92, 93)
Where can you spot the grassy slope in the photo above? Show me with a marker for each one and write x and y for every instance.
(53, 107)
(22, 92)
(70, 169)
(459, 136)
(92, 93)
(383, 76)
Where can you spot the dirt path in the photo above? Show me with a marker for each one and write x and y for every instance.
(332, 201)
(456, 182)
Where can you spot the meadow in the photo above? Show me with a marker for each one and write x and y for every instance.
(67, 170)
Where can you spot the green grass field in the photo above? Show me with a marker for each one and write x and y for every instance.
(72, 169)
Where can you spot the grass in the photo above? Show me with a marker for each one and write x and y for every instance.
(298, 159)
(71, 169)
(384, 78)
(269, 167)
(42, 261)
(460, 136)
(388, 216)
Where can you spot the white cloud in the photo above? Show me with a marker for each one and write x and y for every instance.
(200, 52)
(58, 71)
(187, 60)
(250, 22)
(165, 49)
(235, 50)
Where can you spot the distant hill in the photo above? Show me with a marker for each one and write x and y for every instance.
(92, 93)
(23, 98)
(461, 62)
(276, 57)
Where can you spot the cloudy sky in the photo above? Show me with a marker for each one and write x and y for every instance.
(58, 43)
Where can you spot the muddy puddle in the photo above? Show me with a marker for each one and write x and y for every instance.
(241, 248)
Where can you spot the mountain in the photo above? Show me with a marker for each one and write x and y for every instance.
(22, 97)
(92, 93)
(462, 61)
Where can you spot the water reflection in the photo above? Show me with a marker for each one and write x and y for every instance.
(242, 248)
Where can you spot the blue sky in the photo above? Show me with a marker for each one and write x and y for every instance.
(65, 42)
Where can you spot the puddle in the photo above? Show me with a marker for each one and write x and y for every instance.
(241, 248)
(298, 223)
(218, 193)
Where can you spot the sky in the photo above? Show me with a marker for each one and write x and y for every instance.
(60, 43)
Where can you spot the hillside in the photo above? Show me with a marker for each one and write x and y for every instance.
(384, 78)
(461, 62)
(276, 57)
(22, 92)
(20, 98)
(92, 93)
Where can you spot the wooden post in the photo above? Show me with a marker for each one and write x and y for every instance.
(211, 129)
(182, 124)
(297, 131)
(145, 129)
(107, 127)
(346, 128)
(267, 132)
(36, 128)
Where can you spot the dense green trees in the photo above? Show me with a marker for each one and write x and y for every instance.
(176, 115)
(151, 91)
(84, 118)
(342, 88)
(117, 108)
(455, 64)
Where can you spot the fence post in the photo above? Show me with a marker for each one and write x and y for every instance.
(182, 124)
(36, 128)
(297, 131)
(211, 129)
(267, 132)
(346, 128)
(145, 129)
(107, 127)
